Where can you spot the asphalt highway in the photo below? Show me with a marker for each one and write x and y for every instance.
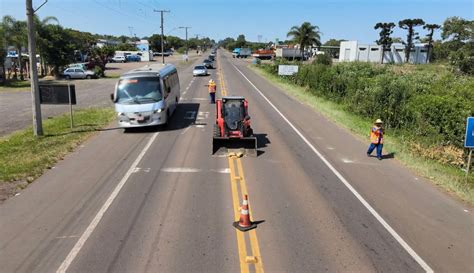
(157, 200)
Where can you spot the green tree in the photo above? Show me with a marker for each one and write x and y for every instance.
(57, 47)
(458, 29)
(126, 47)
(3, 51)
(15, 35)
(305, 35)
(39, 25)
(332, 52)
(431, 29)
(100, 57)
(409, 25)
(240, 42)
(386, 29)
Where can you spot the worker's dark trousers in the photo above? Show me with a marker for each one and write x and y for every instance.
(212, 97)
(379, 149)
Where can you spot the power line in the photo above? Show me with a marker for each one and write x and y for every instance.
(162, 34)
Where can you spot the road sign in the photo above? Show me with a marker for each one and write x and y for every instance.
(287, 70)
(469, 140)
(57, 94)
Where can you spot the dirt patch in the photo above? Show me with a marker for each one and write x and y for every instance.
(9, 189)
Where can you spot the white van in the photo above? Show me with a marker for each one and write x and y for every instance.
(146, 96)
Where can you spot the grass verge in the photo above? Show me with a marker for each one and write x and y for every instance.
(15, 86)
(449, 178)
(24, 157)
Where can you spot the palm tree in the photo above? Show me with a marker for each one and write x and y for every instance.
(40, 25)
(305, 35)
(15, 34)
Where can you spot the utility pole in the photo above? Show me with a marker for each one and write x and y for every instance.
(187, 47)
(162, 34)
(35, 96)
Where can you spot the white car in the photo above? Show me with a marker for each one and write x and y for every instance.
(200, 70)
(119, 59)
(78, 73)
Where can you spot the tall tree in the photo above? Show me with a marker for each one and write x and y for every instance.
(458, 29)
(409, 25)
(3, 51)
(305, 35)
(39, 25)
(240, 42)
(15, 35)
(431, 29)
(58, 51)
(386, 29)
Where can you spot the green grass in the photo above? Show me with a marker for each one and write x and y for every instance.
(449, 178)
(15, 85)
(25, 157)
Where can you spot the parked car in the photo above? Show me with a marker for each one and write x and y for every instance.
(78, 73)
(200, 70)
(167, 53)
(212, 57)
(119, 59)
(208, 63)
(133, 58)
(78, 65)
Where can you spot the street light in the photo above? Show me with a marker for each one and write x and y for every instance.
(186, 28)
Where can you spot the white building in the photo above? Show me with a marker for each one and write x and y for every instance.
(353, 51)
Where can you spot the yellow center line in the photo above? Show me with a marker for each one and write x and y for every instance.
(237, 181)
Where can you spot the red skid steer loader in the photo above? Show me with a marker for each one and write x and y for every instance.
(232, 131)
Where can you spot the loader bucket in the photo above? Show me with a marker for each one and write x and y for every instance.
(224, 145)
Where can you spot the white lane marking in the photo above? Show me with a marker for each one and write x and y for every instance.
(224, 171)
(377, 216)
(87, 233)
(136, 170)
(200, 126)
(67, 237)
(185, 130)
(180, 170)
(345, 160)
(330, 148)
(466, 210)
(193, 170)
(190, 115)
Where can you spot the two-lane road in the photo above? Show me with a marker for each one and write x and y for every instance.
(158, 201)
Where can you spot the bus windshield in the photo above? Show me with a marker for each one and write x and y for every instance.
(139, 90)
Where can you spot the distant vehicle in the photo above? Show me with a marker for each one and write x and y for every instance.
(212, 57)
(290, 53)
(241, 52)
(133, 58)
(146, 96)
(78, 73)
(264, 54)
(119, 59)
(200, 70)
(208, 63)
(78, 65)
(167, 53)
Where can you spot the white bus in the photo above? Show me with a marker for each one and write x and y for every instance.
(146, 96)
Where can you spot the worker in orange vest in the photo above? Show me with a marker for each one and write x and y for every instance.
(376, 139)
(212, 87)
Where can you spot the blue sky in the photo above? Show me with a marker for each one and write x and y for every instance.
(218, 19)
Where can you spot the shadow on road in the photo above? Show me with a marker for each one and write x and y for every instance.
(388, 156)
(262, 141)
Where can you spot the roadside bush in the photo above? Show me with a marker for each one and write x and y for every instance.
(424, 105)
(463, 59)
(324, 59)
(99, 71)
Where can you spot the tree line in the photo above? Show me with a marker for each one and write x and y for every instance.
(59, 46)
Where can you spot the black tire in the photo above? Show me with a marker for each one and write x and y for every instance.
(217, 132)
(88, 77)
(67, 77)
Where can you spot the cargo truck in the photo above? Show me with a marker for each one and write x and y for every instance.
(241, 52)
(290, 53)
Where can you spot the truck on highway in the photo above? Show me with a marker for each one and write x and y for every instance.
(264, 54)
(241, 52)
(290, 53)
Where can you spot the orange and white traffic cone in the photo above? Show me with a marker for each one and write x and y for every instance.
(244, 224)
